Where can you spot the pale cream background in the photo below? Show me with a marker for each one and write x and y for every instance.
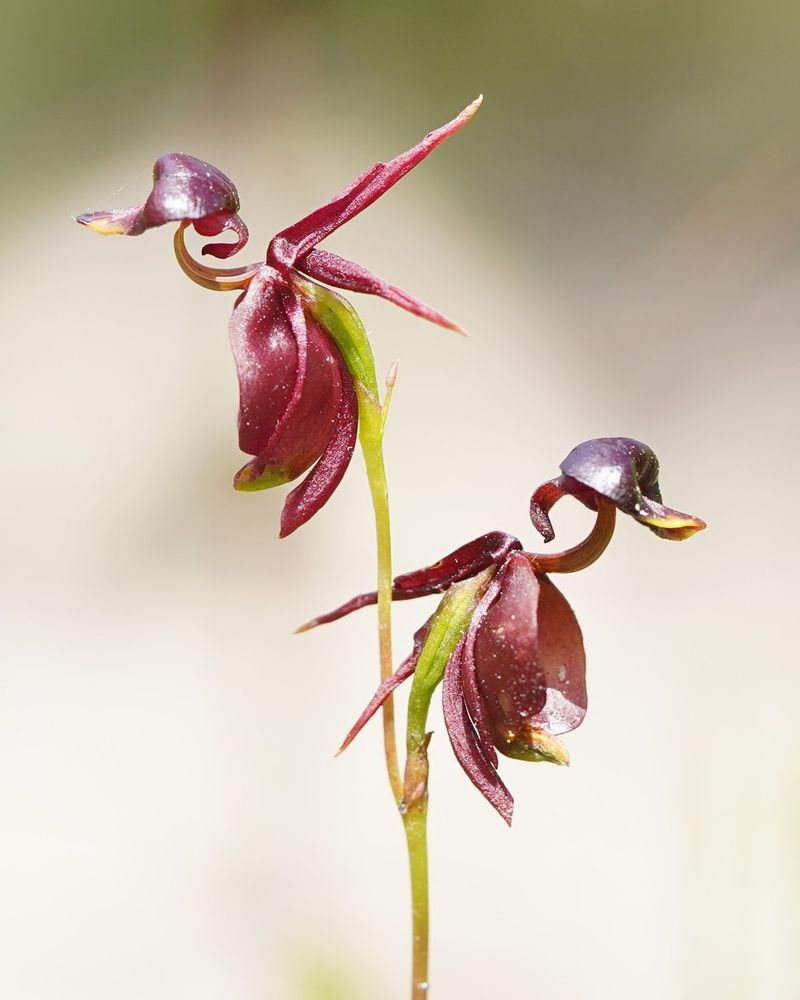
(174, 823)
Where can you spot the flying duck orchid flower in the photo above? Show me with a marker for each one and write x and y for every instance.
(515, 679)
(302, 358)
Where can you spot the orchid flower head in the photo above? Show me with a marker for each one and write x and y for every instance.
(298, 381)
(516, 680)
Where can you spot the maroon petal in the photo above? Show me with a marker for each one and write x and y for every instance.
(403, 672)
(623, 471)
(295, 410)
(265, 352)
(472, 696)
(561, 660)
(345, 274)
(184, 189)
(546, 497)
(217, 224)
(510, 680)
(316, 489)
(529, 665)
(466, 561)
(466, 745)
(299, 238)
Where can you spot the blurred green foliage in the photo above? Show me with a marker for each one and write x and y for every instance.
(601, 119)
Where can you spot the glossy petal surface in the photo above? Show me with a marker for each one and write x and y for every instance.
(464, 562)
(529, 661)
(290, 383)
(184, 189)
(623, 471)
(467, 746)
(317, 488)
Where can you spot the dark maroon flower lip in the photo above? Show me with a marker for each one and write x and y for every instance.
(185, 189)
(621, 470)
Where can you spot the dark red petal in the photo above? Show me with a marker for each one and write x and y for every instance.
(295, 241)
(227, 222)
(465, 742)
(316, 489)
(510, 679)
(561, 660)
(345, 274)
(301, 433)
(464, 562)
(472, 696)
(265, 353)
(403, 672)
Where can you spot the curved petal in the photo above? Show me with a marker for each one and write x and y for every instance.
(292, 243)
(466, 744)
(216, 224)
(561, 660)
(511, 681)
(469, 682)
(316, 489)
(341, 273)
(403, 672)
(464, 562)
(265, 352)
(296, 408)
(460, 564)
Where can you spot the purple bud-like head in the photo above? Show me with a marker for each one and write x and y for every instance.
(185, 189)
(622, 471)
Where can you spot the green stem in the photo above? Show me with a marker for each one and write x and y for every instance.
(447, 629)
(370, 435)
(415, 821)
(341, 322)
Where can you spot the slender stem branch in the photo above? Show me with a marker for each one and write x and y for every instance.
(447, 628)
(415, 821)
(371, 440)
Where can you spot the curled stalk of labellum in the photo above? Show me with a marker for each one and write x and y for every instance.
(301, 376)
(515, 680)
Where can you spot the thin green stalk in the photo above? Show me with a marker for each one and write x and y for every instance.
(342, 322)
(447, 629)
(370, 437)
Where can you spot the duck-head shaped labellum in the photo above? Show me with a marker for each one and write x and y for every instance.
(298, 402)
(185, 189)
(622, 471)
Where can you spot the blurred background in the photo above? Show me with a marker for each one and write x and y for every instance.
(619, 230)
